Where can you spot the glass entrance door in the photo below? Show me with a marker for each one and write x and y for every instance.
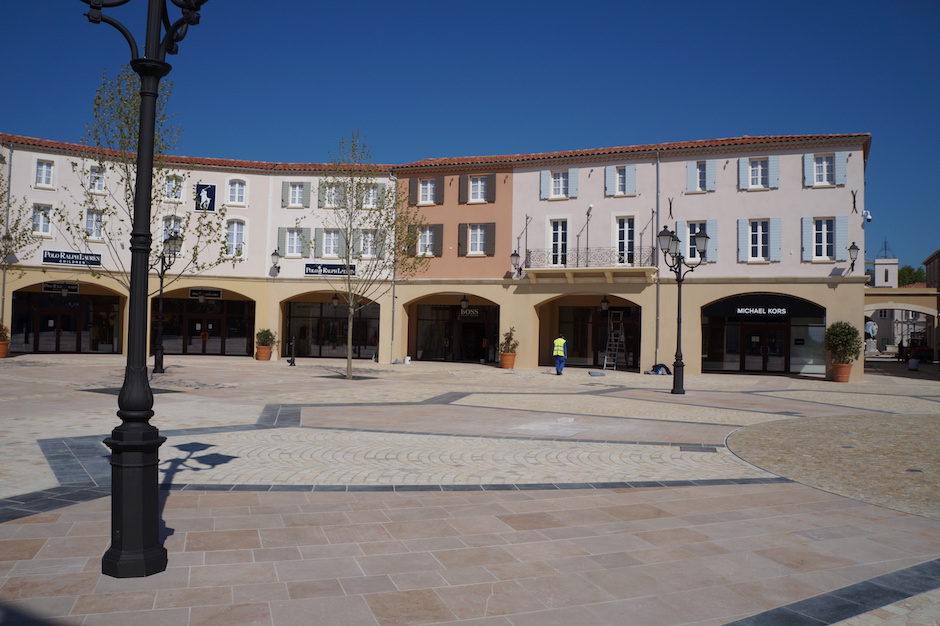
(765, 348)
(204, 335)
(58, 332)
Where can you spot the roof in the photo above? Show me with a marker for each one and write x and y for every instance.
(209, 162)
(507, 159)
(703, 144)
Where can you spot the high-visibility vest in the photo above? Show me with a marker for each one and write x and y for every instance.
(559, 349)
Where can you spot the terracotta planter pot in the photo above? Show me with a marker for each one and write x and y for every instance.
(4, 349)
(841, 372)
(507, 360)
(264, 353)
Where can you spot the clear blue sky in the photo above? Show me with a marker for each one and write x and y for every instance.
(283, 80)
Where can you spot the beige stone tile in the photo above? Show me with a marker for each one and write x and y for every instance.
(408, 607)
(226, 615)
(222, 540)
(175, 598)
(114, 602)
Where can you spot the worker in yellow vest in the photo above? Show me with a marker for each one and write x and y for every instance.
(560, 352)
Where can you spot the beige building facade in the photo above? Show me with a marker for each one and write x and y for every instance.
(542, 243)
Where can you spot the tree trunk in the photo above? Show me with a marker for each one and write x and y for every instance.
(350, 314)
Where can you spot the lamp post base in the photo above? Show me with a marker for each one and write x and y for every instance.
(678, 377)
(158, 359)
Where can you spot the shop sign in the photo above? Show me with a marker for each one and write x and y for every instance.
(759, 310)
(58, 287)
(469, 312)
(215, 294)
(67, 257)
(324, 269)
(205, 198)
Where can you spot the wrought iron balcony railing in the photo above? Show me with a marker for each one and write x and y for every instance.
(589, 257)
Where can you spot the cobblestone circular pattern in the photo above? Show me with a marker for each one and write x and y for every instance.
(330, 457)
(888, 460)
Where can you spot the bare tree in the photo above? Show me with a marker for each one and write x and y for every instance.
(107, 175)
(16, 236)
(369, 226)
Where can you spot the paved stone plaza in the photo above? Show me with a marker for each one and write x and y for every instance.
(454, 493)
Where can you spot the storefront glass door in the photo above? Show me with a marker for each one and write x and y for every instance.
(58, 332)
(765, 349)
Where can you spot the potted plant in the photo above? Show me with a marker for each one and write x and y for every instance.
(4, 341)
(507, 349)
(264, 340)
(844, 344)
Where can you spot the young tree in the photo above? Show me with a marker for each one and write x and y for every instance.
(907, 275)
(371, 228)
(107, 174)
(16, 236)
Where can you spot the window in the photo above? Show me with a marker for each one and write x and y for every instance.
(426, 241)
(620, 180)
(296, 194)
(367, 243)
(824, 238)
(759, 173)
(478, 189)
(700, 176)
(626, 237)
(331, 243)
(693, 228)
(172, 225)
(295, 242)
(236, 192)
(93, 221)
(428, 188)
(756, 173)
(477, 236)
(559, 184)
(331, 195)
(883, 313)
(41, 224)
(825, 170)
(96, 180)
(559, 242)
(235, 238)
(44, 173)
(173, 188)
(370, 197)
(759, 246)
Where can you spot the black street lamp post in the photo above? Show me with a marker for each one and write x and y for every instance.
(677, 262)
(136, 547)
(171, 247)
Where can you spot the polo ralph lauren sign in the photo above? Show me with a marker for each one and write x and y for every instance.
(323, 269)
(67, 257)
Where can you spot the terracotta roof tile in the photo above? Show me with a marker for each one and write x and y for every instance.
(662, 147)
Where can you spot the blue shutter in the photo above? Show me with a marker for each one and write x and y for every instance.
(573, 182)
(711, 168)
(775, 239)
(630, 174)
(610, 180)
(682, 232)
(773, 167)
(807, 237)
(842, 238)
(744, 175)
(742, 240)
(711, 229)
(841, 160)
(691, 175)
(809, 171)
(545, 185)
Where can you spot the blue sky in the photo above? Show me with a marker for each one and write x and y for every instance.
(283, 80)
